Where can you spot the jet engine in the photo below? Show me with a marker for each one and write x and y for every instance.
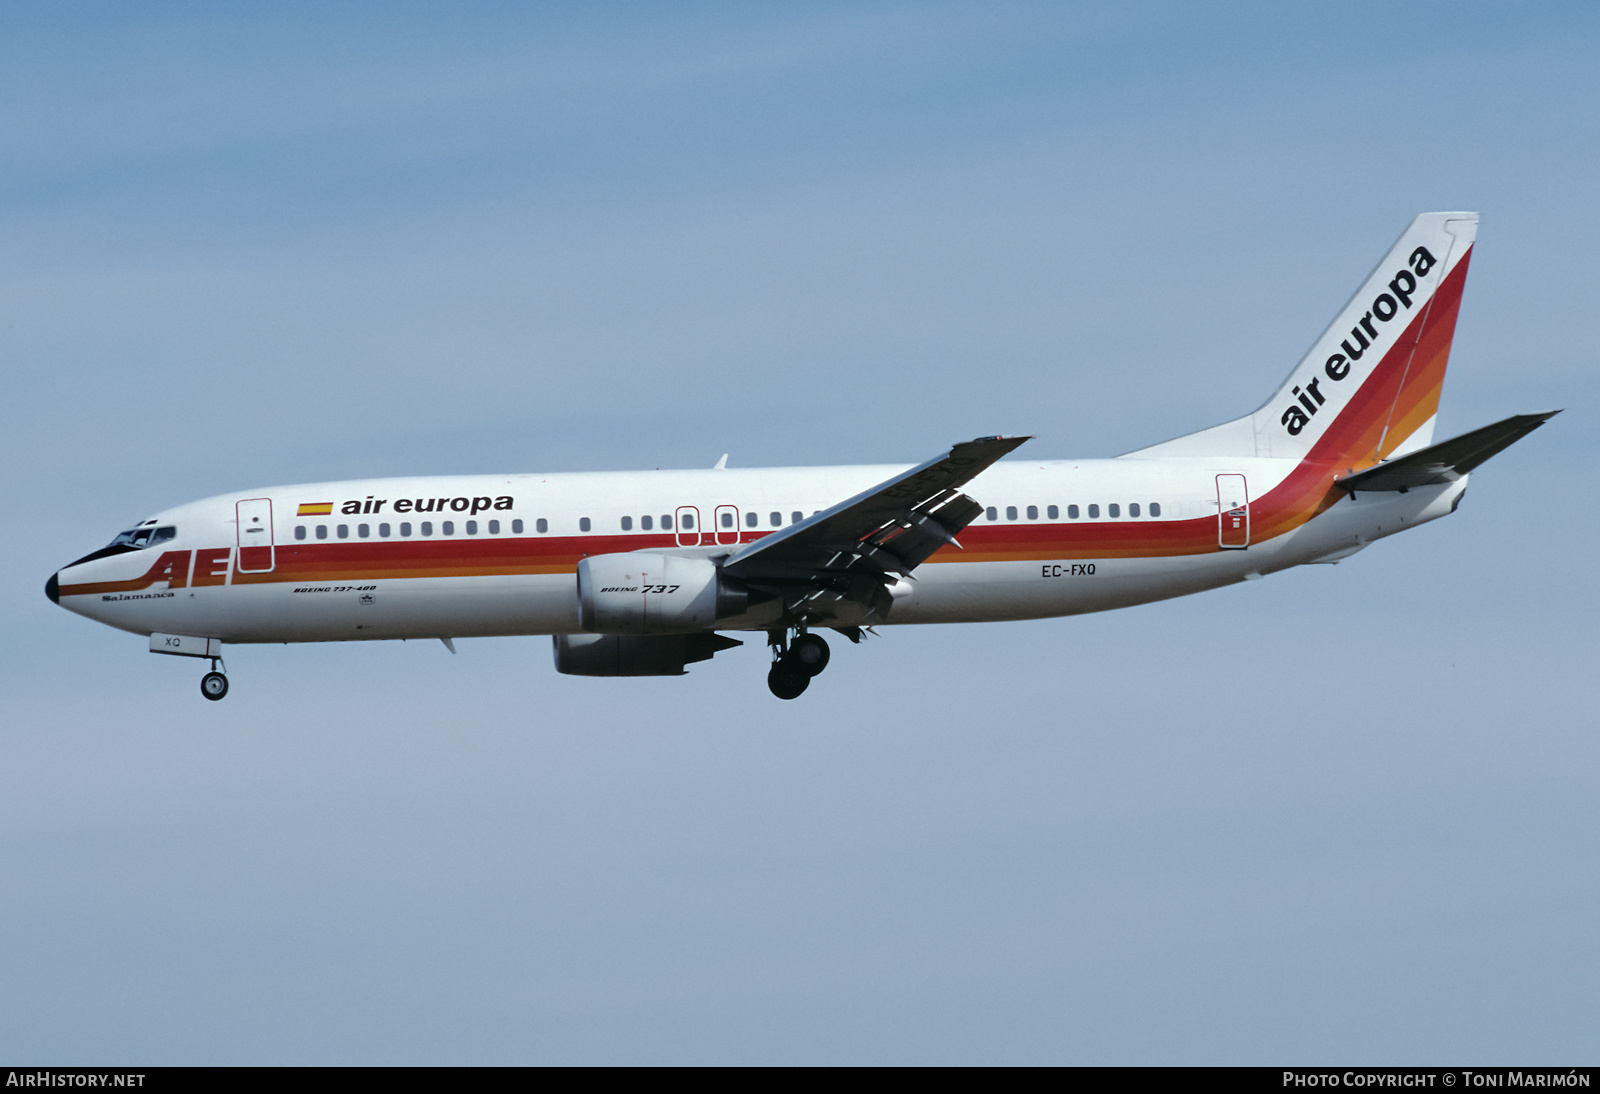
(630, 655)
(643, 593)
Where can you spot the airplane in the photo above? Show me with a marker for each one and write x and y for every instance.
(639, 573)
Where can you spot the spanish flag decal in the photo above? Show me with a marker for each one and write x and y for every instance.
(314, 509)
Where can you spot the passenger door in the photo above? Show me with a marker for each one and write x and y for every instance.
(1233, 513)
(255, 535)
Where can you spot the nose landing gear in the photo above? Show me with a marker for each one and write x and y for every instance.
(795, 663)
(214, 684)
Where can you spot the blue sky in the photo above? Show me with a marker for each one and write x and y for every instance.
(1344, 814)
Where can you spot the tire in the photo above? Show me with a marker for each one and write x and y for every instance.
(213, 685)
(787, 679)
(810, 652)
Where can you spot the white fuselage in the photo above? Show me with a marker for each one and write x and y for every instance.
(419, 558)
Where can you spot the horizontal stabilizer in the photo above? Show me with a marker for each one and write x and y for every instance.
(1446, 461)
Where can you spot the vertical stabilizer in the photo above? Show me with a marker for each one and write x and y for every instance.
(1369, 387)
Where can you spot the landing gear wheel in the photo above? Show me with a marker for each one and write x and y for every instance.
(810, 652)
(787, 679)
(213, 685)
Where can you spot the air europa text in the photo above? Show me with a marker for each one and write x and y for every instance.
(470, 506)
(1363, 335)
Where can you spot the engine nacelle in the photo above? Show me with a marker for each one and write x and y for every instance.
(629, 655)
(644, 593)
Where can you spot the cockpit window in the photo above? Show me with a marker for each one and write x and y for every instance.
(139, 538)
(134, 539)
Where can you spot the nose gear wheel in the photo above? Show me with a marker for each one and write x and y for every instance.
(213, 685)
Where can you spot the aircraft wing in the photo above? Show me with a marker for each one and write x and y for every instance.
(1446, 461)
(855, 550)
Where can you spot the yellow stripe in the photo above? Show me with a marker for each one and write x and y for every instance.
(314, 509)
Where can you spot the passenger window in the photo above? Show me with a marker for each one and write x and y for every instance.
(991, 513)
(796, 517)
(448, 528)
(627, 524)
(1011, 512)
(687, 521)
(1113, 511)
(299, 531)
(646, 522)
(751, 520)
(426, 528)
(363, 530)
(1072, 512)
(472, 527)
(583, 524)
(1033, 512)
(775, 519)
(405, 528)
(666, 522)
(1094, 512)
(1155, 509)
(494, 528)
(541, 525)
(1133, 509)
(343, 531)
(383, 531)
(727, 520)
(1054, 512)
(322, 531)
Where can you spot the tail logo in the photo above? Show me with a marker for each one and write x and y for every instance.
(1364, 334)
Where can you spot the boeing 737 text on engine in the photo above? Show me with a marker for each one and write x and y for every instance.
(635, 574)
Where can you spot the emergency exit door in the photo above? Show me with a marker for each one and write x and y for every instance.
(1233, 512)
(686, 523)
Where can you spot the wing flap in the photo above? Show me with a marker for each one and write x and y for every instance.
(856, 550)
(1446, 461)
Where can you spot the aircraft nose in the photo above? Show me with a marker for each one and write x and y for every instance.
(52, 588)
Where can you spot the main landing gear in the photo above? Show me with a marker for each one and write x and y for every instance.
(795, 663)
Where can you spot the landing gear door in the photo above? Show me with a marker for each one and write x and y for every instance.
(255, 535)
(1233, 513)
